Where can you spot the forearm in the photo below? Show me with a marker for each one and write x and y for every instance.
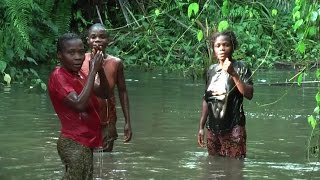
(124, 100)
(103, 89)
(204, 115)
(80, 102)
(245, 89)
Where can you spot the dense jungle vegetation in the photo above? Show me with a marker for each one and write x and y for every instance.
(151, 34)
(168, 34)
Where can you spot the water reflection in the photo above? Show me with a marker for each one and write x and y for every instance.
(165, 112)
(221, 168)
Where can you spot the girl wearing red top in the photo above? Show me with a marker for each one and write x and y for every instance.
(73, 96)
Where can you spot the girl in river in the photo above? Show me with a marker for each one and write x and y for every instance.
(73, 96)
(228, 81)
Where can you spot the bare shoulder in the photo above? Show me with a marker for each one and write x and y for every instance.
(113, 58)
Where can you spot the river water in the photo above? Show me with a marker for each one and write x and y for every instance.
(165, 111)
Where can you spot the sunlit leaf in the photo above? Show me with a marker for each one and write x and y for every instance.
(224, 9)
(298, 24)
(312, 30)
(3, 66)
(200, 35)
(223, 25)
(274, 12)
(296, 15)
(301, 47)
(318, 74)
(157, 12)
(32, 60)
(318, 98)
(43, 86)
(312, 121)
(314, 16)
(316, 110)
(7, 79)
(193, 7)
(300, 78)
(250, 14)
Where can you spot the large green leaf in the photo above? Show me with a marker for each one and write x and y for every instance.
(312, 31)
(200, 35)
(193, 7)
(157, 12)
(312, 121)
(298, 24)
(7, 79)
(314, 16)
(274, 12)
(223, 25)
(301, 47)
(225, 9)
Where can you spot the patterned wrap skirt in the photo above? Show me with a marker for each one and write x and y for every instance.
(229, 144)
(78, 159)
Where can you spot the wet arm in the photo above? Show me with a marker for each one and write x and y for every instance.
(245, 89)
(80, 102)
(203, 119)
(123, 94)
(102, 88)
(204, 115)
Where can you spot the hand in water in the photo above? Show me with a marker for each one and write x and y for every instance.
(127, 133)
(201, 138)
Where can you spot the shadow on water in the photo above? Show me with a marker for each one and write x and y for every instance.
(165, 111)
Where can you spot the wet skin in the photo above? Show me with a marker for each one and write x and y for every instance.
(98, 39)
(71, 58)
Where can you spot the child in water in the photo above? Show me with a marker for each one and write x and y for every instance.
(98, 39)
(228, 81)
(73, 96)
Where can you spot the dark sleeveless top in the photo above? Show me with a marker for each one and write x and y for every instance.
(225, 111)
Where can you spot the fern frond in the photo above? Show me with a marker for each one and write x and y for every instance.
(18, 12)
(61, 15)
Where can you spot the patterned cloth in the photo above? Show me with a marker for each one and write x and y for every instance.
(231, 144)
(108, 116)
(78, 159)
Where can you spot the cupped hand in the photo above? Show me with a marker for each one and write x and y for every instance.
(227, 66)
(201, 138)
(127, 133)
(96, 61)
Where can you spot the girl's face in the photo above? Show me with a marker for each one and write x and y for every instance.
(222, 47)
(72, 55)
(97, 38)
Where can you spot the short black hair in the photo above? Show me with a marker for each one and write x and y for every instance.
(64, 38)
(97, 25)
(230, 34)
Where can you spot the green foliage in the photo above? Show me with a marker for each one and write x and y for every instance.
(170, 34)
(312, 121)
(193, 8)
(223, 25)
(28, 33)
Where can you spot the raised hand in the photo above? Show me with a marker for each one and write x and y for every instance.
(96, 62)
(227, 66)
